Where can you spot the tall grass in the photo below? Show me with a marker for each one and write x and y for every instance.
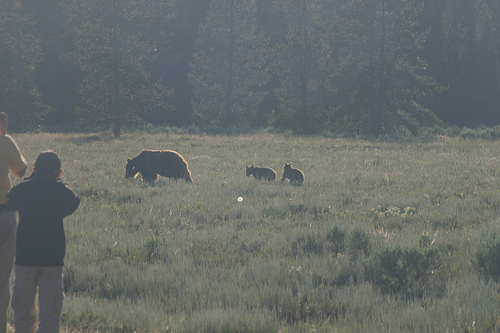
(381, 237)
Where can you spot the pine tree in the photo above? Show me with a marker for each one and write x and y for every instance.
(180, 21)
(56, 77)
(470, 55)
(303, 64)
(113, 46)
(19, 53)
(230, 57)
(383, 84)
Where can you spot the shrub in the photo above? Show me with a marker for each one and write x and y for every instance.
(358, 243)
(486, 133)
(405, 270)
(307, 244)
(337, 239)
(487, 260)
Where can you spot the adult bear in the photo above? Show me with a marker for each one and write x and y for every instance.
(151, 163)
(261, 173)
(294, 175)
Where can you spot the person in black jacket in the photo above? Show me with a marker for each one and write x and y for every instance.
(42, 201)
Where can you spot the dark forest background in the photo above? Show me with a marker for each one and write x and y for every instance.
(348, 67)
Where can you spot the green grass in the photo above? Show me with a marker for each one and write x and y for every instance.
(381, 237)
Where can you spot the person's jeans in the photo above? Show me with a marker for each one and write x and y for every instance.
(49, 281)
(7, 250)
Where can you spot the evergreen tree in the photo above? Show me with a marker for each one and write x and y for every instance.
(270, 22)
(180, 20)
(382, 83)
(349, 67)
(19, 53)
(230, 57)
(114, 44)
(56, 78)
(303, 64)
(470, 55)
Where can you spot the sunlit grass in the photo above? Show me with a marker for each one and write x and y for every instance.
(228, 253)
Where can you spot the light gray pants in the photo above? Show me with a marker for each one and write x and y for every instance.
(49, 281)
(7, 250)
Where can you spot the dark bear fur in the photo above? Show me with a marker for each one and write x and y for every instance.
(151, 163)
(294, 175)
(261, 173)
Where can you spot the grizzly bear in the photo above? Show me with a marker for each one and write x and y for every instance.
(294, 175)
(261, 173)
(151, 163)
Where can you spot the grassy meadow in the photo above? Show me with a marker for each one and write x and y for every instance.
(381, 237)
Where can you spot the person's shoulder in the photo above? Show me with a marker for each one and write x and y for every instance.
(22, 186)
(63, 185)
(7, 136)
(25, 182)
(7, 140)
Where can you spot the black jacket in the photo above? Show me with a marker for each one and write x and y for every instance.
(42, 205)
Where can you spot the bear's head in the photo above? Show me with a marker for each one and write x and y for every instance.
(250, 170)
(131, 169)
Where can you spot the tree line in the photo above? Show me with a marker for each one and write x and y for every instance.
(363, 67)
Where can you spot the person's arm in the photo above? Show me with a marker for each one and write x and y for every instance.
(19, 165)
(21, 173)
(70, 201)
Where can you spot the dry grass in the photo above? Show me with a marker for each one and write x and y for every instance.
(183, 257)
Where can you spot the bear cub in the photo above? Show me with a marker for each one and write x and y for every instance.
(294, 175)
(261, 173)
